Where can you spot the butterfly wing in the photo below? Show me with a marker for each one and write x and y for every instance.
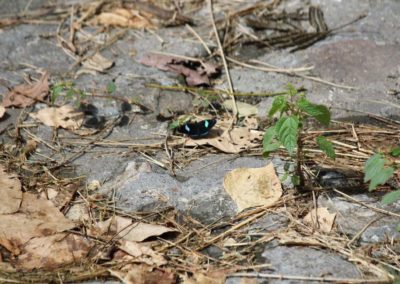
(197, 129)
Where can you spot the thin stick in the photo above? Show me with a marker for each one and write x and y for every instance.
(366, 205)
(307, 278)
(199, 38)
(221, 50)
(356, 236)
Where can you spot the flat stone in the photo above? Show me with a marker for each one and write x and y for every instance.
(351, 218)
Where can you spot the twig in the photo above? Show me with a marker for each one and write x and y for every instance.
(222, 54)
(356, 236)
(366, 205)
(199, 38)
(308, 278)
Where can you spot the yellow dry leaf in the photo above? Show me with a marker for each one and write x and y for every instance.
(65, 117)
(320, 219)
(123, 18)
(244, 109)
(250, 187)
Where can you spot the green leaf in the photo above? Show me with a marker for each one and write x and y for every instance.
(111, 87)
(287, 132)
(376, 172)
(295, 180)
(381, 178)
(373, 166)
(326, 146)
(398, 227)
(269, 135)
(268, 146)
(284, 177)
(395, 152)
(292, 91)
(279, 104)
(391, 197)
(319, 112)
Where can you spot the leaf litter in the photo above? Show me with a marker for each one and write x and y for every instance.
(145, 259)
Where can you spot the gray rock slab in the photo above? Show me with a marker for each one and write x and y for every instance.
(305, 261)
(201, 194)
(302, 262)
(351, 218)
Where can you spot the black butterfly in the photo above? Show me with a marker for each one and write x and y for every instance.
(197, 129)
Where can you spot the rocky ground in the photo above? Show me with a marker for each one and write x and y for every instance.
(359, 66)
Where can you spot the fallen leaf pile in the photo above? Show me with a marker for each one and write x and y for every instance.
(27, 94)
(38, 236)
(197, 73)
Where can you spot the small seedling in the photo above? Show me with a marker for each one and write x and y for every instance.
(294, 109)
(68, 91)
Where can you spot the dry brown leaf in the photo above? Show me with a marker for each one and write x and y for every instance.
(244, 109)
(35, 218)
(197, 74)
(250, 187)
(213, 277)
(142, 253)
(52, 251)
(27, 94)
(98, 63)
(125, 18)
(251, 122)
(2, 111)
(144, 274)
(320, 219)
(61, 196)
(233, 141)
(65, 117)
(135, 232)
(10, 192)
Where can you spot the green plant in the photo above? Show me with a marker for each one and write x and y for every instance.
(68, 91)
(378, 170)
(294, 109)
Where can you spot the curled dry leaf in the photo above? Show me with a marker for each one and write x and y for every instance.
(10, 192)
(142, 253)
(143, 274)
(124, 228)
(195, 72)
(125, 18)
(27, 94)
(211, 277)
(98, 63)
(52, 251)
(65, 117)
(320, 219)
(35, 218)
(244, 109)
(2, 111)
(250, 187)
